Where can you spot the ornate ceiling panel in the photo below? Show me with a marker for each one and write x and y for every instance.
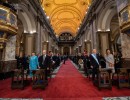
(66, 15)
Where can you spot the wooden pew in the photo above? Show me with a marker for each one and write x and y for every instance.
(39, 79)
(103, 79)
(19, 79)
(123, 77)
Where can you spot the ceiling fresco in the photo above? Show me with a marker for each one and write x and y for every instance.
(65, 15)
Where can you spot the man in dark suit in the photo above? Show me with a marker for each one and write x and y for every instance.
(86, 63)
(54, 58)
(58, 60)
(95, 63)
(44, 62)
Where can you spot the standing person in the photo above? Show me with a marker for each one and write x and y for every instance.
(24, 62)
(86, 63)
(51, 62)
(109, 60)
(44, 62)
(64, 58)
(80, 61)
(95, 63)
(33, 63)
(58, 60)
(117, 59)
(54, 58)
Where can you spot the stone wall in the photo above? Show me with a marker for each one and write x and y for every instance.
(125, 40)
(10, 49)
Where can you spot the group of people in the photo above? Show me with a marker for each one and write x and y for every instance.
(95, 61)
(46, 61)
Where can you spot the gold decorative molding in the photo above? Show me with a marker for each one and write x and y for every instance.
(125, 19)
(8, 24)
(2, 42)
(8, 20)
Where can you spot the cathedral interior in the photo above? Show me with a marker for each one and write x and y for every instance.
(69, 32)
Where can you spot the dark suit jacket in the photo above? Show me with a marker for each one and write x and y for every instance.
(86, 61)
(93, 62)
(44, 64)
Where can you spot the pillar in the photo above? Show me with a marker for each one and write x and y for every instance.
(124, 22)
(38, 39)
(45, 46)
(103, 41)
(29, 43)
(8, 61)
(62, 50)
(8, 31)
(88, 47)
(70, 50)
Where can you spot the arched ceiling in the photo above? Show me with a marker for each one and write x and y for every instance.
(65, 15)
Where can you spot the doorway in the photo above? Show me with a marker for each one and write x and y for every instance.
(66, 51)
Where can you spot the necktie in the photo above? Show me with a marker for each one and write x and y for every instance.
(43, 59)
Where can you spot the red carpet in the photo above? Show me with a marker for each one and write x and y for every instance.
(68, 85)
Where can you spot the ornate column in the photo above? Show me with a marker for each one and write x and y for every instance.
(124, 19)
(8, 30)
(88, 46)
(29, 43)
(62, 50)
(70, 50)
(103, 41)
(38, 40)
(45, 46)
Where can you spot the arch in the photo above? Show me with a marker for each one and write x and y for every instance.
(27, 20)
(67, 31)
(69, 8)
(23, 20)
(66, 50)
(106, 16)
(72, 23)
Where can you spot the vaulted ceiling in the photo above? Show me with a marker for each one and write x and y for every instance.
(65, 15)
